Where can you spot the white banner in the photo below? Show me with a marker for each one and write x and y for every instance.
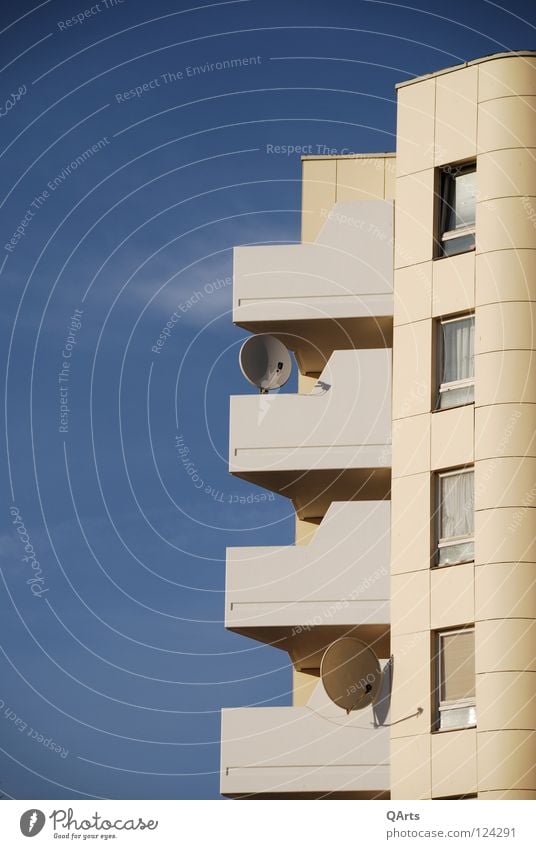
(278, 825)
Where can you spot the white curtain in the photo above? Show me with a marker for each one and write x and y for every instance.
(457, 505)
(458, 666)
(458, 350)
(465, 202)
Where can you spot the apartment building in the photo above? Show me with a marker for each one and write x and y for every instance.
(408, 455)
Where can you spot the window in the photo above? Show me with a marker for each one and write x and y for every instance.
(456, 365)
(457, 205)
(455, 678)
(455, 517)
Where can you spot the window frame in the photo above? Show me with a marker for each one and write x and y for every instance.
(443, 706)
(446, 542)
(445, 182)
(443, 387)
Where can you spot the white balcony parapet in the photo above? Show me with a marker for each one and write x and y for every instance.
(344, 423)
(340, 578)
(314, 749)
(346, 273)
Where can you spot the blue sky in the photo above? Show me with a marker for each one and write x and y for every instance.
(116, 654)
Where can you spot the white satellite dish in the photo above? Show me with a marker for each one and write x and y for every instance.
(265, 362)
(351, 674)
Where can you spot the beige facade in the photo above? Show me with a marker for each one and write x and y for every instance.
(481, 113)
(448, 438)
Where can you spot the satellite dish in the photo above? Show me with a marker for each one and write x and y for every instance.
(265, 362)
(351, 674)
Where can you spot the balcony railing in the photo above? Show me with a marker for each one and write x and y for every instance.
(341, 578)
(346, 273)
(344, 423)
(314, 749)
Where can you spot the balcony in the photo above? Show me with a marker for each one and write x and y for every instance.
(303, 597)
(311, 750)
(332, 444)
(334, 294)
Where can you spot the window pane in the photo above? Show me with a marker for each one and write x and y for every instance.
(459, 245)
(462, 552)
(457, 396)
(457, 717)
(462, 211)
(456, 505)
(457, 670)
(458, 350)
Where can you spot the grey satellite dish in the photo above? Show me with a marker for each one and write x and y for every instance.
(351, 674)
(265, 362)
